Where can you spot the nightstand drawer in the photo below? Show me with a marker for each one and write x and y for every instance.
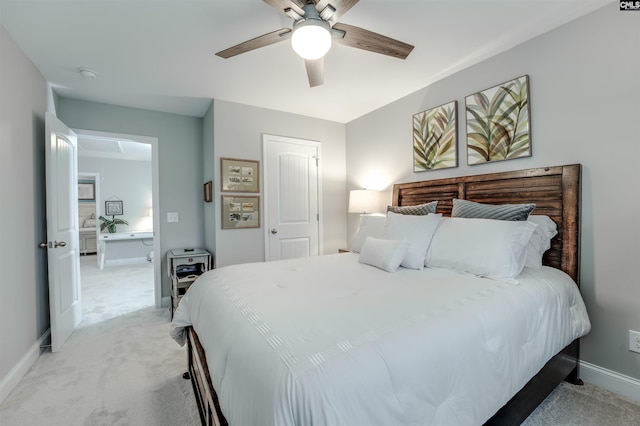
(204, 259)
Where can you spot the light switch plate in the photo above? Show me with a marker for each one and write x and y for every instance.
(172, 217)
(634, 341)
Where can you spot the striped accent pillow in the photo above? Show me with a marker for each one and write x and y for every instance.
(470, 209)
(419, 210)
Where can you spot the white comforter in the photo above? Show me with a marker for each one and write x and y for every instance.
(329, 341)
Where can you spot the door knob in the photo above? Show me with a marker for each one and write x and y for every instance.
(59, 244)
(274, 231)
(43, 245)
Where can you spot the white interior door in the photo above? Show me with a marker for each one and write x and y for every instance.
(62, 230)
(292, 203)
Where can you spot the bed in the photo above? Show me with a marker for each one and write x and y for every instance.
(333, 340)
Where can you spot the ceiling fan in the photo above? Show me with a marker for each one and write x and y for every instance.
(315, 27)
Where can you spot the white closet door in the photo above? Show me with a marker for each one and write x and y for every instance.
(292, 189)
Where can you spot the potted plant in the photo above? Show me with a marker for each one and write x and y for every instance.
(110, 224)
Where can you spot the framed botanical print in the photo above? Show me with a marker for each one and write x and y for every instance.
(435, 138)
(498, 125)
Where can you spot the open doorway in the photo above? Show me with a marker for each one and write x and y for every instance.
(118, 181)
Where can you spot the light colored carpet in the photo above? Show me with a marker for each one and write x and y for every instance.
(115, 290)
(122, 368)
(587, 405)
(123, 371)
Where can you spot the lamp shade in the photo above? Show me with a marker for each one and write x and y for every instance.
(311, 39)
(364, 201)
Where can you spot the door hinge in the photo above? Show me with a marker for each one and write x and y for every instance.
(315, 157)
(318, 217)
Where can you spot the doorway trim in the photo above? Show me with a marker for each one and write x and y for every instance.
(155, 191)
(96, 182)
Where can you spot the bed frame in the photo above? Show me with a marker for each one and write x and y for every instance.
(556, 193)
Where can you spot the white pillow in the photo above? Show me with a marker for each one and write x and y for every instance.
(540, 240)
(417, 230)
(383, 254)
(370, 226)
(485, 247)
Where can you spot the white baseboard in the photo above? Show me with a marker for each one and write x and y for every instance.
(45, 339)
(11, 380)
(610, 380)
(129, 261)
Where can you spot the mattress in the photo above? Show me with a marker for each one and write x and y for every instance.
(328, 340)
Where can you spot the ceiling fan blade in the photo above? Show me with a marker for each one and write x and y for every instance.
(255, 43)
(315, 71)
(341, 7)
(373, 42)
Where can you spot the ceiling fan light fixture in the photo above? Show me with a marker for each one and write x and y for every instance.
(311, 38)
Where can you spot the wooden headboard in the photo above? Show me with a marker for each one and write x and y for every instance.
(554, 190)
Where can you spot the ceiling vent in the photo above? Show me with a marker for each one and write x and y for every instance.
(99, 145)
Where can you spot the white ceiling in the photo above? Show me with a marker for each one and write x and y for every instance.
(159, 54)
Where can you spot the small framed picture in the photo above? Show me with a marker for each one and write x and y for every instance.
(208, 192)
(113, 208)
(86, 191)
(240, 212)
(237, 175)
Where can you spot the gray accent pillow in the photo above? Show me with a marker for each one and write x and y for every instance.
(470, 209)
(418, 210)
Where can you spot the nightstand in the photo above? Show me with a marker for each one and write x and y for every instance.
(184, 266)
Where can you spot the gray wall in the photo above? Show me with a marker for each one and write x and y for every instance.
(584, 99)
(180, 151)
(24, 305)
(238, 134)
